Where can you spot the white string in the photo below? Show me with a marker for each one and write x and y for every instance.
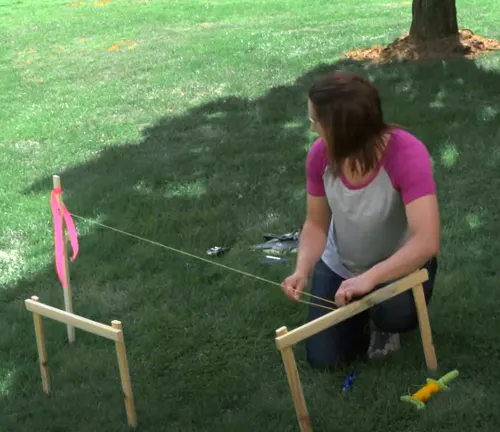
(205, 260)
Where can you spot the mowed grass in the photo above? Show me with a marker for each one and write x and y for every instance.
(185, 122)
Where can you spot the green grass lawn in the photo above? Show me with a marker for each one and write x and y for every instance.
(185, 122)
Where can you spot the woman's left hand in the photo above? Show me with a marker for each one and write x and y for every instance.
(351, 288)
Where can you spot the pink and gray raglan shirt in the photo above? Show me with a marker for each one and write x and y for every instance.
(369, 221)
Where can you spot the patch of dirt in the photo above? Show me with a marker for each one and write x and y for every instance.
(466, 44)
(207, 25)
(405, 3)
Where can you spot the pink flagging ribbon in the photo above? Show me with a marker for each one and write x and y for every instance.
(59, 235)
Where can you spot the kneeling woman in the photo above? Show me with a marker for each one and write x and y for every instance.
(372, 217)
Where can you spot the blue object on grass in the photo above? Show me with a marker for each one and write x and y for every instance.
(349, 381)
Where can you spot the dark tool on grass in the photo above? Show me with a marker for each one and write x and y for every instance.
(280, 242)
(292, 236)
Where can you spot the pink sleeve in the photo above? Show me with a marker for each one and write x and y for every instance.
(409, 167)
(315, 167)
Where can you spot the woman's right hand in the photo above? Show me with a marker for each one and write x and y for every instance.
(294, 284)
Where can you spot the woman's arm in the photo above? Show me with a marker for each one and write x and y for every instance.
(423, 244)
(314, 234)
(318, 215)
(410, 169)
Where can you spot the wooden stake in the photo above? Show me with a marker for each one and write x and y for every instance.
(121, 354)
(425, 327)
(295, 385)
(68, 302)
(42, 354)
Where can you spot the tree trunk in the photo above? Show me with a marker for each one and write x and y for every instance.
(433, 20)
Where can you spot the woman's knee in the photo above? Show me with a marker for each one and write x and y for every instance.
(399, 314)
(394, 318)
(341, 343)
(324, 281)
(324, 284)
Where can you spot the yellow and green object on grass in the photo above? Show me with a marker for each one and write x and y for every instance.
(432, 387)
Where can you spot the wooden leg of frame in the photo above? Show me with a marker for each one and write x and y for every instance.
(425, 327)
(295, 385)
(42, 355)
(121, 354)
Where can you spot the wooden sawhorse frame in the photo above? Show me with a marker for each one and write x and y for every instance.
(113, 332)
(285, 339)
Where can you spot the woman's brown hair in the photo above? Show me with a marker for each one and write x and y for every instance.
(349, 110)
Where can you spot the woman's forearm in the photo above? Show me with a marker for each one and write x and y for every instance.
(416, 252)
(312, 244)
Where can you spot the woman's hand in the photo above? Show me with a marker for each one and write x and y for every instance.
(294, 284)
(355, 287)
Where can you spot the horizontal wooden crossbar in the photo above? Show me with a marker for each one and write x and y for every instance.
(345, 312)
(74, 320)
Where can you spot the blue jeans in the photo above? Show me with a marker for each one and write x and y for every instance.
(350, 339)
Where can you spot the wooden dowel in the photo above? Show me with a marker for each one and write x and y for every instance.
(42, 354)
(121, 354)
(292, 374)
(354, 308)
(425, 327)
(71, 319)
(68, 302)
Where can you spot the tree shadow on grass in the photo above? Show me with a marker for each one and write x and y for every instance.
(200, 339)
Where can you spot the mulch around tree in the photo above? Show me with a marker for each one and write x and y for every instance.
(467, 44)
